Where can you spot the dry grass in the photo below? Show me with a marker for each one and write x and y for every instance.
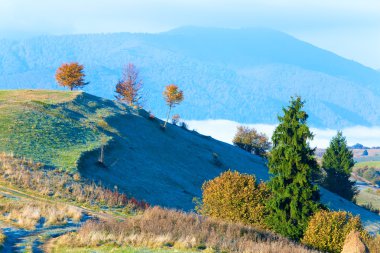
(28, 214)
(49, 96)
(2, 238)
(373, 244)
(158, 228)
(25, 174)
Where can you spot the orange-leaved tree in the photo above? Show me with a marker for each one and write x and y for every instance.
(129, 87)
(173, 96)
(71, 75)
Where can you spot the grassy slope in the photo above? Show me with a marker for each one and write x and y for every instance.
(51, 127)
(57, 128)
(162, 167)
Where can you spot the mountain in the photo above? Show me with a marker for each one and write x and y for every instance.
(165, 167)
(244, 75)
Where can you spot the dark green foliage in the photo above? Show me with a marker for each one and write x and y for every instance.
(365, 153)
(294, 197)
(338, 162)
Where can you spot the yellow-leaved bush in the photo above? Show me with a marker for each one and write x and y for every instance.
(235, 197)
(327, 230)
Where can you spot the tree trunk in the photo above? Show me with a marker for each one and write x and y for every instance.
(101, 158)
(167, 118)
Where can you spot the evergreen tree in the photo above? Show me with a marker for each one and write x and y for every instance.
(338, 162)
(292, 163)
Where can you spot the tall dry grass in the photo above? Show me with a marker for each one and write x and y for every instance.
(25, 174)
(28, 214)
(2, 238)
(158, 227)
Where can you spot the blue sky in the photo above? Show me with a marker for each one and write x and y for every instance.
(350, 28)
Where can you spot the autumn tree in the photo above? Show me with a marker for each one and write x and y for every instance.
(71, 75)
(337, 162)
(129, 87)
(250, 140)
(173, 96)
(235, 197)
(292, 163)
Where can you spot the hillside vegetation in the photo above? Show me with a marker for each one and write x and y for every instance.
(252, 71)
(162, 167)
(55, 200)
(159, 227)
(51, 127)
(64, 130)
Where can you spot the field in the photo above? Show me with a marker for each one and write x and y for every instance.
(28, 116)
(370, 198)
(368, 164)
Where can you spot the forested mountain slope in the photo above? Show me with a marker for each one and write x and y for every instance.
(243, 75)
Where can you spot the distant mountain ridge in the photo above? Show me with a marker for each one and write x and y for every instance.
(244, 75)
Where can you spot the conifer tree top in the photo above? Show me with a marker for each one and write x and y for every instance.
(292, 164)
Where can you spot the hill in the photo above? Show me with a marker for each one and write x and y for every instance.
(252, 71)
(64, 130)
(163, 167)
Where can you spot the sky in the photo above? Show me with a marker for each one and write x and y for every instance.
(350, 28)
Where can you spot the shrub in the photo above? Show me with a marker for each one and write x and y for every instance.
(216, 160)
(176, 119)
(327, 230)
(183, 125)
(235, 197)
(251, 141)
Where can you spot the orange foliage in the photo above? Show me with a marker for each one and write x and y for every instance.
(327, 230)
(235, 197)
(173, 95)
(71, 75)
(128, 88)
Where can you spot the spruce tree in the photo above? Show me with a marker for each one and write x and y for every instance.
(338, 162)
(292, 163)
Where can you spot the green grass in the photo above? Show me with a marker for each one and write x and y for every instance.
(369, 164)
(368, 159)
(369, 197)
(53, 127)
(106, 249)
